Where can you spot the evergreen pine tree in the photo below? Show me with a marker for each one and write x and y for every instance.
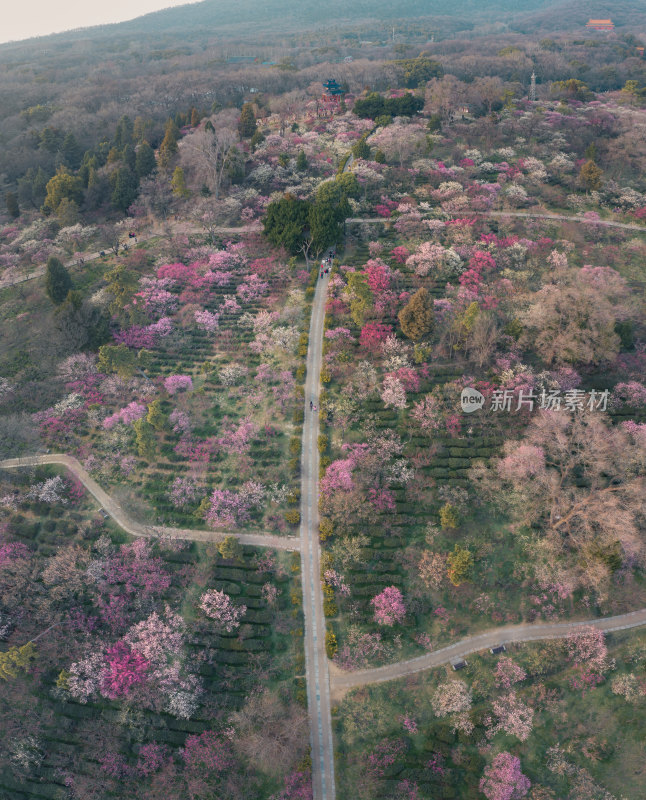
(247, 123)
(178, 182)
(125, 189)
(168, 147)
(301, 161)
(12, 204)
(57, 280)
(145, 160)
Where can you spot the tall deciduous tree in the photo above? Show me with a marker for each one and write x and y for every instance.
(580, 484)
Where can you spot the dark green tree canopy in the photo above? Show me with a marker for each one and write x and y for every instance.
(286, 221)
(145, 160)
(125, 189)
(247, 123)
(57, 280)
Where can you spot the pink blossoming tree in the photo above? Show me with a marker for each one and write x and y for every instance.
(389, 606)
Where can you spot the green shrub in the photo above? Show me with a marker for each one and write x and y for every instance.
(293, 516)
(331, 645)
(322, 442)
(294, 445)
(449, 517)
(326, 528)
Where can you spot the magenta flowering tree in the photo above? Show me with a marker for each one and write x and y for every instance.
(12, 551)
(503, 779)
(237, 439)
(298, 786)
(127, 415)
(373, 334)
(399, 254)
(230, 509)
(631, 394)
(338, 477)
(151, 758)
(587, 648)
(147, 336)
(378, 276)
(252, 289)
(219, 607)
(178, 383)
(124, 669)
(154, 297)
(182, 492)
(207, 320)
(389, 606)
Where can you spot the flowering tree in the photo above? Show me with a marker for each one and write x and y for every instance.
(207, 320)
(218, 607)
(507, 672)
(127, 415)
(183, 492)
(373, 334)
(124, 669)
(393, 393)
(503, 779)
(450, 698)
(389, 606)
(514, 717)
(178, 383)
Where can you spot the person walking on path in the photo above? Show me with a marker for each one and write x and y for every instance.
(311, 405)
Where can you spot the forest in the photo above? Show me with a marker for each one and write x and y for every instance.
(253, 542)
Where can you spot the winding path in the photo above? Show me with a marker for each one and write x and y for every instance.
(129, 525)
(606, 223)
(87, 257)
(341, 682)
(318, 684)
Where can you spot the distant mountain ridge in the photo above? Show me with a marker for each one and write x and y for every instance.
(288, 15)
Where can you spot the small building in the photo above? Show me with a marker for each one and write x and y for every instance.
(495, 651)
(601, 24)
(459, 664)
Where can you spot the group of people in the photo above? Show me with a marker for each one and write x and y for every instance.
(312, 406)
(327, 263)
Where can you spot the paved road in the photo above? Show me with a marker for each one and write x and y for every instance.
(318, 686)
(259, 539)
(341, 682)
(527, 215)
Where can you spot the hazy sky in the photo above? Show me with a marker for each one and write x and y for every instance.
(20, 19)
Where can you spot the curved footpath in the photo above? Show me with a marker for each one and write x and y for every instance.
(343, 681)
(87, 257)
(136, 529)
(316, 662)
(606, 223)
